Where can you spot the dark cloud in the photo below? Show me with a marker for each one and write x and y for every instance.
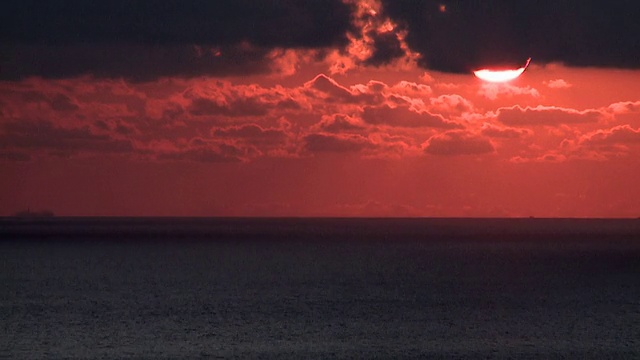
(452, 104)
(269, 23)
(602, 144)
(124, 129)
(202, 154)
(546, 115)
(58, 101)
(402, 116)
(44, 135)
(145, 39)
(336, 143)
(14, 156)
(623, 134)
(61, 102)
(237, 101)
(386, 47)
(136, 61)
(504, 132)
(339, 123)
(458, 142)
(472, 34)
(252, 133)
(240, 107)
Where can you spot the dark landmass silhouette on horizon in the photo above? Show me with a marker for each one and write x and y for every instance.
(34, 214)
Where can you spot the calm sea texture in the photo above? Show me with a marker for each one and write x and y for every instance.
(319, 288)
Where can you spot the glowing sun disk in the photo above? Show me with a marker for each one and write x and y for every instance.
(500, 75)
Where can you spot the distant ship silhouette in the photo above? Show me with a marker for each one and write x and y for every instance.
(34, 214)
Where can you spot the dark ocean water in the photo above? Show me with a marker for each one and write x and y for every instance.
(319, 288)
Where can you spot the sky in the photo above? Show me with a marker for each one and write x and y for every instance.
(319, 108)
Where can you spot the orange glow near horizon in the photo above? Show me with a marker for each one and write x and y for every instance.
(500, 75)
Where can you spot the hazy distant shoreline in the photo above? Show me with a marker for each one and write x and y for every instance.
(33, 214)
(418, 229)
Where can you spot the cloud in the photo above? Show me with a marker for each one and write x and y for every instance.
(552, 157)
(339, 123)
(239, 37)
(386, 48)
(623, 134)
(472, 35)
(188, 119)
(131, 61)
(597, 145)
(458, 142)
(223, 22)
(252, 133)
(28, 97)
(374, 145)
(225, 99)
(557, 84)
(56, 101)
(336, 143)
(402, 93)
(493, 91)
(402, 116)
(451, 104)
(266, 117)
(14, 156)
(374, 40)
(44, 135)
(224, 153)
(546, 115)
(410, 89)
(624, 107)
(286, 62)
(239, 107)
(113, 38)
(331, 90)
(219, 38)
(494, 131)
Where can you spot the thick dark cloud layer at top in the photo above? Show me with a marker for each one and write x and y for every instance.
(286, 23)
(464, 35)
(146, 39)
(143, 39)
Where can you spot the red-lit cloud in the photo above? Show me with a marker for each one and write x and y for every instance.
(546, 115)
(557, 84)
(458, 142)
(336, 143)
(44, 138)
(491, 130)
(623, 134)
(402, 116)
(357, 123)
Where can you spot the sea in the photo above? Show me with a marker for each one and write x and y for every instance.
(320, 288)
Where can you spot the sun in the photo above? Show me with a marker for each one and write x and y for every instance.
(500, 75)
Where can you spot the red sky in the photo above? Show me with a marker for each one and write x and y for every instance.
(319, 132)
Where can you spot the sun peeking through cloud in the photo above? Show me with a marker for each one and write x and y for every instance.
(498, 76)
